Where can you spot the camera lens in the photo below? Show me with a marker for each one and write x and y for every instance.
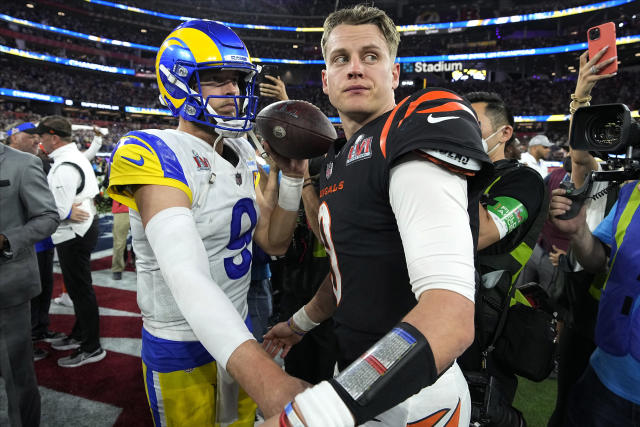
(594, 34)
(605, 132)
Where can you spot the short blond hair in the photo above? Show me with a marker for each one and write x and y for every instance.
(361, 15)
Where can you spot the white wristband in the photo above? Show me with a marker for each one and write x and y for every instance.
(289, 193)
(303, 321)
(321, 406)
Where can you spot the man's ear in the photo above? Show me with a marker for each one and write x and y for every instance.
(395, 72)
(507, 133)
(325, 85)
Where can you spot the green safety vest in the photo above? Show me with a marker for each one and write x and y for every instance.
(515, 259)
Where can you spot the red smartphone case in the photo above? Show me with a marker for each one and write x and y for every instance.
(606, 36)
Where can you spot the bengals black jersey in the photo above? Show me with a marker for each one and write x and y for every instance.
(358, 226)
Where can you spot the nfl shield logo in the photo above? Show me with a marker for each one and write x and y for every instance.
(329, 170)
(238, 179)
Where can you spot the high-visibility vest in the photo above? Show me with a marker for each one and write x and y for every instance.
(518, 255)
(618, 327)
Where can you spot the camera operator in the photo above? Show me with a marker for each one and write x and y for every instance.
(578, 288)
(608, 393)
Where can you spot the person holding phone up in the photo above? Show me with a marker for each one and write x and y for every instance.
(273, 87)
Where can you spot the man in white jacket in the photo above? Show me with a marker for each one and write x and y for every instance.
(73, 182)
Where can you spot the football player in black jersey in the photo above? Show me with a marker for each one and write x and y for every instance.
(393, 218)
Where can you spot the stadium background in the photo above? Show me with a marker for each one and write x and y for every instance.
(92, 61)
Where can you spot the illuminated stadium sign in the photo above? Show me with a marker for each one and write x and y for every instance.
(31, 95)
(440, 66)
(143, 110)
(65, 61)
(99, 106)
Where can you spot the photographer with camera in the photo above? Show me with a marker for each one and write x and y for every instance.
(581, 289)
(608, 393)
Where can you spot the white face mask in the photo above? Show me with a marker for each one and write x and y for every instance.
(485, 141)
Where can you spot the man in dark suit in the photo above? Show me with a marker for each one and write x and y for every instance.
(27, 214)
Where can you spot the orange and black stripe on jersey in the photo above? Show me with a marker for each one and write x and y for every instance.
(434, 119)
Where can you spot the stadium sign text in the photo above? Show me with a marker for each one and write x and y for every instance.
(430, 67)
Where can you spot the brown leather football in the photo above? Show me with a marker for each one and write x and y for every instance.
(296, 129)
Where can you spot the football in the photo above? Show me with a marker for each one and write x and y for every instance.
(296, 129)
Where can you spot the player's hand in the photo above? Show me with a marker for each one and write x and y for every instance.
(586, 77)
(274, 90)
(294, 168)
(560, 205)
(280, 337)
(77, 214)
(554, 256)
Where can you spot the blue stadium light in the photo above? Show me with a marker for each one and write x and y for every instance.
(402, 28)
(406, 59)
(164, 112)
(470, 56)
(31, 95)
(511, 53)
(65, 61)
(186, 18)
(75, 34)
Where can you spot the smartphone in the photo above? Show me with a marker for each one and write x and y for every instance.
(268, 70)
(597, 38)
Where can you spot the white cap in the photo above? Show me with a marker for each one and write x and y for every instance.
(540, 140)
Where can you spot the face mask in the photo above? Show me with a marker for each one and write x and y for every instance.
(485, 141)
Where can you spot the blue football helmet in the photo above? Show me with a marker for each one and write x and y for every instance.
(195, 46)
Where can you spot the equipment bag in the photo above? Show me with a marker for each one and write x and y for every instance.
(524, 338)
(527, 343)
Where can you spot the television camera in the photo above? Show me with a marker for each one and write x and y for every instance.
(610, 130)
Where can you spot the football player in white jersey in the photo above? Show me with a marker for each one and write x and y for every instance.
(194, 214)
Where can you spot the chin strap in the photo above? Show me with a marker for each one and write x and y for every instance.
(257, 144)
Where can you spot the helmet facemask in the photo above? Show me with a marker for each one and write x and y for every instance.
(186, 77)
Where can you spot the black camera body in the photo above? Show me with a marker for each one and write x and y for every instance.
(610, 130)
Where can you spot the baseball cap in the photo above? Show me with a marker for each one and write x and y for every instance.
(540, 140)
(26, 127)
(54, 125)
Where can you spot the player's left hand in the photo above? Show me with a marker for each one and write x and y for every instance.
(294, 168)
(280, 337)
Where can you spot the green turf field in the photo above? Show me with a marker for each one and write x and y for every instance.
(536, 400)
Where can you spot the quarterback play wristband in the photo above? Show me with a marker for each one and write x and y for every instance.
(394, 369)
(289, 193)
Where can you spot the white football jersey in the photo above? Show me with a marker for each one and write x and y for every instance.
(223, 202)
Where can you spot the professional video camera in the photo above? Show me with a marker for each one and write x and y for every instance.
(609, 129)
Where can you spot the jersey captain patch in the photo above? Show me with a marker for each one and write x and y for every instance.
(360, 150)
